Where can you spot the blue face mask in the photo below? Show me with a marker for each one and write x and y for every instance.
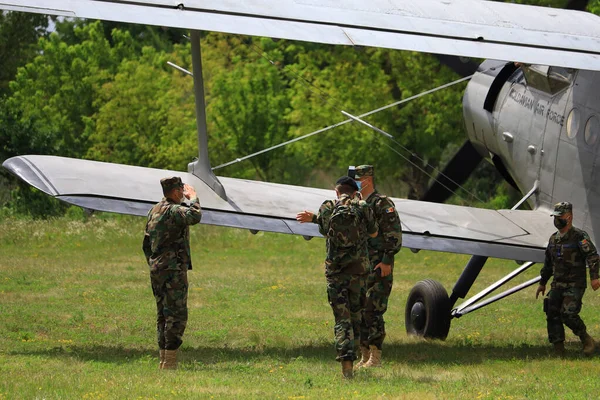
(359, 184)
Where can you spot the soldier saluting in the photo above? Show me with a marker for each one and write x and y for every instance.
(569, 251)
(167, 249)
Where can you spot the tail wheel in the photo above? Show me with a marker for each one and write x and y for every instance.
(427, 311)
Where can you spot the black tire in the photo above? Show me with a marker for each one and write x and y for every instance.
(427, 311)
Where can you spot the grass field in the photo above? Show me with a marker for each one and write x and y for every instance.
(78, 323)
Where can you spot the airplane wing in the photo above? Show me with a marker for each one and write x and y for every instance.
(470, 28)
(262, 206)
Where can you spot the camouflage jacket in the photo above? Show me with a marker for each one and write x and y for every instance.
(353, 260)
(566, 259)
(167, 236)
(389, 240)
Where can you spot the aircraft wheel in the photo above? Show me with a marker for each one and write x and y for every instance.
(427, 311)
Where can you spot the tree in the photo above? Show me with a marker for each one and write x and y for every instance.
(358, 81)
(56, 91)
(248, 109)
(146, 115)
(19, 34)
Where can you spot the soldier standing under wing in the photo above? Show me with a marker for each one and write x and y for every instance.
(568, 252)
(346, 224)
(167, 249)
(381, 253)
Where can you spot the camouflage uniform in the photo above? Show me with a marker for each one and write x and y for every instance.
(167, 250)
(345, 270)
(566, 259)
(381, 250)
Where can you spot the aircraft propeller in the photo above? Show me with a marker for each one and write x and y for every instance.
(580, 5)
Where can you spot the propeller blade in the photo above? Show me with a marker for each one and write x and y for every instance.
(461, 65)
(580, 5)
(456, 172)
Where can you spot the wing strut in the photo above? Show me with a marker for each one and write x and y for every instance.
(470, 305)
(201, 167)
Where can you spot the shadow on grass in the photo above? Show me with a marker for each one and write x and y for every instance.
(423, 352)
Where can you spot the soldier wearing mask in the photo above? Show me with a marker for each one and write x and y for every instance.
(167, 249)
(382, 250)
(346, 224)
(569, 251)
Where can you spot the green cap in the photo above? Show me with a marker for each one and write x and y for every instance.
(169, 184)
(562, 208)
(363, 170)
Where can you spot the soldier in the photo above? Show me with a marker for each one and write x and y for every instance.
(568, 252)
(381, 253)
(346, 225)
(167, 250)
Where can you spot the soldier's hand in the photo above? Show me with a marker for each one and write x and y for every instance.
(189, 192)
(595, 284)
(541, 289)
(386, 269)
(304, 216)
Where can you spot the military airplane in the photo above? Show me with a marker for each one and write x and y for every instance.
(535, 116)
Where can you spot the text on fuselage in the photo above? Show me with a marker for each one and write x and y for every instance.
(537, 107)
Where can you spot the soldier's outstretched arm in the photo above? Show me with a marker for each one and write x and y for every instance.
(322, 217)
(306, 216)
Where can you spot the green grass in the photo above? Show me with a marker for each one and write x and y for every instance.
(78, 323)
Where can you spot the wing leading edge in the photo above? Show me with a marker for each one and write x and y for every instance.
(262, 206)
(469, 28)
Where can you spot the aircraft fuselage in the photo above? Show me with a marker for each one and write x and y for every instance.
(538, 123)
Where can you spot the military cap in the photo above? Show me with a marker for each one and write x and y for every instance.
(363, 170)
(562, 208)
(346, 180)
(169, 184)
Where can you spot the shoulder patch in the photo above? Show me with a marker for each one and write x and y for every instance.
(585, 245)
(389, 210)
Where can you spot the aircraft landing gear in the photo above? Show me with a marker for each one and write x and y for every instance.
(427, 311)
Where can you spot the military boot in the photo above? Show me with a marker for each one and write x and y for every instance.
(559, 348)
(161, 353)
(365, 354)
(170, 359)
(589, 346)
(347, 369)
(374, 359)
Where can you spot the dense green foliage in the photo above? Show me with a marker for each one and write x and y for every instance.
(104, 91)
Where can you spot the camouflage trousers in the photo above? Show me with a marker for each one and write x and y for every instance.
(346, 294)
(372, 328)
(563, 307)
(170, 288)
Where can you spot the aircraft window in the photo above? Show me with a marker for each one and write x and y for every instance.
(592, 128)
(559, 78)
(573, 123)
(548, 79)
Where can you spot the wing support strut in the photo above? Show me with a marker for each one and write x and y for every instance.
(533, 191)
(472, 305)
(201, 167)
